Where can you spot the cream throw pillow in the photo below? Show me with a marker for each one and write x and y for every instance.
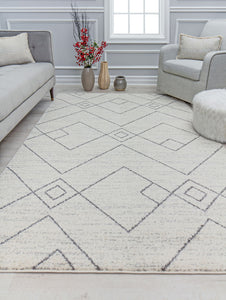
(14, 50)
(197, 47)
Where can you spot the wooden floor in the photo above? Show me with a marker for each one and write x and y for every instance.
(98, 286)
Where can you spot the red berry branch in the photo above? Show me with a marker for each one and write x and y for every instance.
(88, 53)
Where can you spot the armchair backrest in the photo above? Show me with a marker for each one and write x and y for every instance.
(216, 27)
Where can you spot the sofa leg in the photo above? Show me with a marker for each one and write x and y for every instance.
(52, 94)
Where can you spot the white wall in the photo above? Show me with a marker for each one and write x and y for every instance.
(137, 62)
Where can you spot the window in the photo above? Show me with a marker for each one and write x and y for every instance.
(137, 21)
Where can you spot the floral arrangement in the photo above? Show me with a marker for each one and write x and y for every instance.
(88, 53)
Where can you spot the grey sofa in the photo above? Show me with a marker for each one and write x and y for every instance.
(184, 78)
(23, 86)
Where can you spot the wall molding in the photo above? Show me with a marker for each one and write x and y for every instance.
(10, 21)
(93, 9)
(131, 80)
(200, 9)
(131, 67)
(94, 67)
(179, 21)
(137, 51)
(44, 9)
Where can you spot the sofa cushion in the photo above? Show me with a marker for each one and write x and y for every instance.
(15, 50)
(187, 68)
(19, 82)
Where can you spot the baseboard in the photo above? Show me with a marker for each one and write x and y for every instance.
(131, 80)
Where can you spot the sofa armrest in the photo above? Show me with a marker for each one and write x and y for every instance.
(40, 43)
(214, 69)
(168, 52)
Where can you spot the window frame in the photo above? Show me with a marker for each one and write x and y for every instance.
(161, 38)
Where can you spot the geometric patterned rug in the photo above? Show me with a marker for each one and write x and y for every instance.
(114, 182)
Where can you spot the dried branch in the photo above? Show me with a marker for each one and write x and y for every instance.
(79, 21)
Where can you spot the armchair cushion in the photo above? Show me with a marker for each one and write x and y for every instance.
(192, 47)
(187, 68)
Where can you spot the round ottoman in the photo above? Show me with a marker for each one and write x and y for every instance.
(209, 114)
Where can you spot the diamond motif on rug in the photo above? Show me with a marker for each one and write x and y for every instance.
(196, 194)
(55, 193)
(84, 104)
(119, 196)
(121, 135)
(119, 101)
(155, 105)
(119, 106)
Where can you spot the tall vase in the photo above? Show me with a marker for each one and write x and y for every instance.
(88, 79)
(104, 78)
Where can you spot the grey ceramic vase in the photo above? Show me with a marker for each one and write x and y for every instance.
(120, 83)
(88, 79)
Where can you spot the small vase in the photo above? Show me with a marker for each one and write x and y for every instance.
(120, 83)
(88, 79)
(104, 78)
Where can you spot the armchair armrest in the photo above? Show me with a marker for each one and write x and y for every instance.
(40, 43)
(168, 52)
(214, 69)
